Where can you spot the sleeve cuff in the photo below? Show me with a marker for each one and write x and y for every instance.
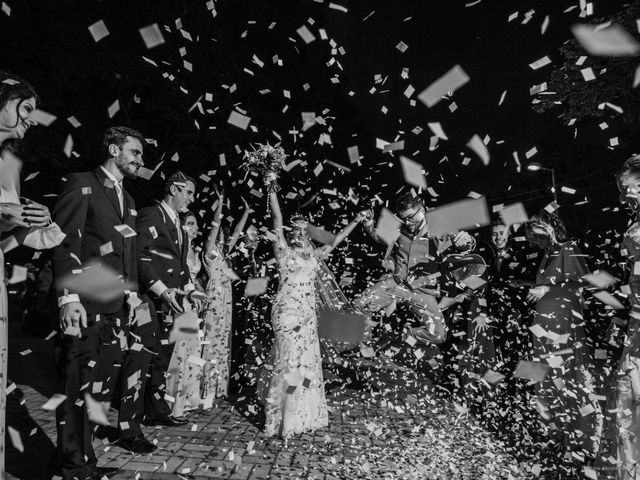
(158, 288)
(189, 287)
(72, 297)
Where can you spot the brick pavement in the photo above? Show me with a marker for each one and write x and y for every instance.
(227, 443)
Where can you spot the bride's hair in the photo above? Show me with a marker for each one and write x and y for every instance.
(12, 87)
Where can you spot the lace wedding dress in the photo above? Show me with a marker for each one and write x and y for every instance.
(295, 400)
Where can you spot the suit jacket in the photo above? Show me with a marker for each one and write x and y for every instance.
(160, 258)
(88, 211)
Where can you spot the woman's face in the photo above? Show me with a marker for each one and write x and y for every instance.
(190, 226)
(629, 187)
(297, 237)
(16, 116)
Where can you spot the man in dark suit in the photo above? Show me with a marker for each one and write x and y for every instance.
(98, 217)
(164, 277)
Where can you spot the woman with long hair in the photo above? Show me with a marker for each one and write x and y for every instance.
(18, 102)
(624, 400)
(565, 396)
(216, 348)
(295, 399)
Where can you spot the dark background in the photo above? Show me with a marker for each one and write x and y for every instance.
(50, 45)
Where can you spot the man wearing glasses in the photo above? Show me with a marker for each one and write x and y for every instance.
(416, 271)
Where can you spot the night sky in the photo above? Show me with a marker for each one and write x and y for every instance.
(234, 54)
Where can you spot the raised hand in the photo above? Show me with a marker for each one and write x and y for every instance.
(246, 205)
(463, 239)
(365, 216)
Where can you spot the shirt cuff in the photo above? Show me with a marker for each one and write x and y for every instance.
(72, 297)
(189, 287)
(158, 288)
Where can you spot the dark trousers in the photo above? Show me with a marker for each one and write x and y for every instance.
(155, 406)
(128, 398)
(94, 357)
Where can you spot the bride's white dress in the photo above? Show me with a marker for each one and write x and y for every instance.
(295, 400)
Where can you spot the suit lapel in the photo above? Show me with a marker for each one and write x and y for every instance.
(173, 232)
(109, 191)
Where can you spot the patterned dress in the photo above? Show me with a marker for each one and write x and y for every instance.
(295, 400)
(628, 383)
(216, 348)
(184, 372)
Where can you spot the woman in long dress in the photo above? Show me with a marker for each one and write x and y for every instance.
(295, 400)
(565, 396)
(185, 369)
(17, 104)
(626, 396)
(216, 348)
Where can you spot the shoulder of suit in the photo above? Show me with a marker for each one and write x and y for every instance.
(82, 177)
(153, 210)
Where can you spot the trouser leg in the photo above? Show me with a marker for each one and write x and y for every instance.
(155, 406)
(134, 373)
(89, 366)
(425, 308)
(379, 296)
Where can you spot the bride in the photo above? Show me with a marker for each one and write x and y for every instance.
(295, 400)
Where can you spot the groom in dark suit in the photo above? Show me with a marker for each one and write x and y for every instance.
(98, 217)
(164, 277)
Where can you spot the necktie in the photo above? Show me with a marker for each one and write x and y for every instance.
(118, 186)
(179, 228)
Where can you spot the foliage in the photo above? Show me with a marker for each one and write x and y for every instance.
(613, 84)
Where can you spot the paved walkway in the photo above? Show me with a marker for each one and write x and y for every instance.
(398, 431)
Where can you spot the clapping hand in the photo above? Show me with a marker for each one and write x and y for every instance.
(31, 215)
(73, 314)
(198, 298)
(169, 297)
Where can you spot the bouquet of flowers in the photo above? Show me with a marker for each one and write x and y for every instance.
(268, 161)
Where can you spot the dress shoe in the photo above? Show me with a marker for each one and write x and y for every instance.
(168, 421)
(101, 472)
(137, 444)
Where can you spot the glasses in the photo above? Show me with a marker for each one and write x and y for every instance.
(407, 218)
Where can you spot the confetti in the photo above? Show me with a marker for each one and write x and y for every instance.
(152, 36)
(98, 31)
(448, 83)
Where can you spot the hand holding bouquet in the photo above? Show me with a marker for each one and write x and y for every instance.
(268, 161)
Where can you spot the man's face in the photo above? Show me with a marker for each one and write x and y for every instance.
(629, 187)
(128, 157)
(183, 195)
(414, 218)
(500, 236)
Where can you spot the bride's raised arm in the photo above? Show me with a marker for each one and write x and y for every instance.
(237, 231)
(279, 242)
